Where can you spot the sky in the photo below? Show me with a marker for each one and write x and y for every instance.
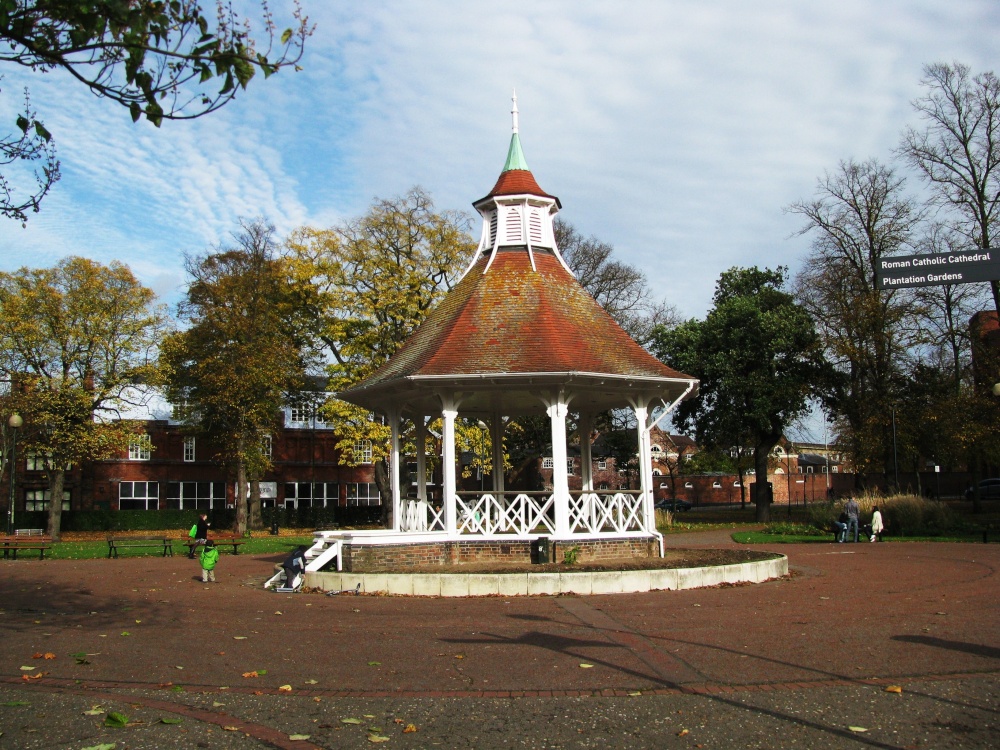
(676, 131)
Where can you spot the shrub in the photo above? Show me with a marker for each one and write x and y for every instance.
(793, 529)
(902, 515)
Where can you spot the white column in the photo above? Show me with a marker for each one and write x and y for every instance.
(557, 412)
(496, 438)
(421, 437)
(586, 458)
(448, 415)
(645, 465)
(394, 468)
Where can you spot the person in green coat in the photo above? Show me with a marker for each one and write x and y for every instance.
(209, 556)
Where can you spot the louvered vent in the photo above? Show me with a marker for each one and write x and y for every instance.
(493, 229)
(512, 225)
(535, 226)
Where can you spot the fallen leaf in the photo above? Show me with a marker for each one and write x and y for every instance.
(178, 666)
(105, 746)
(370, 664)
(398, 721)
(81, 660)
(459, 656)
(894, 689)
(138, 621)
(298, 736)
(586, 666)
(262, 671)
(285, 688)
(171, 721)
(351, 721)
(125, 632)
(95, 711)
(277, 613)
(684, 732)
(635, 693)
(115, 719)
(317, 699)
(17, 703)
(231, 729)
(857, 729)
(311, 682)
(410, 729)
(37, 655)
(239, 637)
(177, 689)
(27, 669)
(216, 704)
(258, 692)
(32, 676)
(369, 716)
(377, 738)
(250, 674)
(220, 653)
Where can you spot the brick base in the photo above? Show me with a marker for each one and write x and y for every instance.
(373, 558)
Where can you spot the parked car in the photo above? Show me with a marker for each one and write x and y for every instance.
(672, 504)
(989, 489)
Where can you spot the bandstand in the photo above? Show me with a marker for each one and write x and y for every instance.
(518, 335)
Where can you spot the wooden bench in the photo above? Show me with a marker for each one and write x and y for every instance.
(14, 544)
(220, 540)
(29, 532)
(116, 543)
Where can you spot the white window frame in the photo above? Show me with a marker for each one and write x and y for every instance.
(38, 500)
(570, 466)
(140, 448)
(267, 445)
(548, 463)
(145, 497)
(363, 451)
(602, 465)
(189, 449)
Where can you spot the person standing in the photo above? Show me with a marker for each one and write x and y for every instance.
(877, 525)
(208, 556)
(200, 533)
(853, 511)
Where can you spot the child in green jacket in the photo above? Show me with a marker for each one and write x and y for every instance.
(209, 556)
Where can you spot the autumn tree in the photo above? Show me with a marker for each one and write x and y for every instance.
(861, 215)
(759, 359)
(74, 339)
(376, 278)
(160, 60)
(245, 353)
(958, 150)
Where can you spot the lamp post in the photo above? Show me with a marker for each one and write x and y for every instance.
(15, 422)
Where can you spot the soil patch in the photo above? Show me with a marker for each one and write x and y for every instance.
(674, 558)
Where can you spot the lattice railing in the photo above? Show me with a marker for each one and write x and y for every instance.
(520, 514)
(420, 515)
(593, 513)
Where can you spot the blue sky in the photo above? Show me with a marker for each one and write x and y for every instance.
(677, 131)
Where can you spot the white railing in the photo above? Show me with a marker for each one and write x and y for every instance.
(522, 514)
(593, 513)
(420, 515)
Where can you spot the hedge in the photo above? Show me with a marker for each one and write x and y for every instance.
(148, 520)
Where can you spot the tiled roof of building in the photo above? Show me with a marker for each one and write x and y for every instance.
(516, 182)
(514, 319)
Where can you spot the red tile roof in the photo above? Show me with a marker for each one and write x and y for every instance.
(513, 319)
(516, 182)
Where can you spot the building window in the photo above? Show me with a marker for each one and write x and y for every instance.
(195, 495)
(655, 449)
(716, 485)
(39, 500)
(603, 486)
(189, 448)
(663, 485)
(36, 461)
(363, 493)
(138, 496)
(548, 463)
(569, 466)
(657, 473)
(139, 448)
(363, 451)
(312, 494)
(300, 413)
(266, 446)
(689, 485)
(602, 465)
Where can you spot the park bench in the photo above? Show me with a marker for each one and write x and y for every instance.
(14, 544)
(220, 540)
(29, 532)
(116, 543)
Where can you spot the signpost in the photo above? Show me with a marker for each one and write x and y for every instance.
(934, 269)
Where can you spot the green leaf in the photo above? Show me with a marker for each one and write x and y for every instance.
(103, 746)
(23, 123)
(351, 721)
(286, 36)
(115, 719)
(17, 703)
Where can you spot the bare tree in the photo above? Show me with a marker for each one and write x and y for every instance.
(958, 150)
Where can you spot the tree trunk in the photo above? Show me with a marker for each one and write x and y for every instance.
(763, 498)
(384, 490)
(241, 497)
(255, 519)
(57, 479)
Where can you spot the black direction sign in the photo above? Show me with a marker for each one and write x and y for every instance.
(934, 269)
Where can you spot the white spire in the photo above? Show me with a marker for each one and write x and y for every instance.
(513, 112)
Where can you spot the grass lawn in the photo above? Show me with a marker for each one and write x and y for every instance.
(96, 549)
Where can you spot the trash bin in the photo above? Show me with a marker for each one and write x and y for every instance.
(274, 526)
(543, 551)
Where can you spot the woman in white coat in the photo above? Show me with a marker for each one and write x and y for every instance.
(877, 525)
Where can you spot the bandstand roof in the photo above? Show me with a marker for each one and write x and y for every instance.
(516, 326)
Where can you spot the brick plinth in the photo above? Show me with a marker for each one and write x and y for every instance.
(374, 558)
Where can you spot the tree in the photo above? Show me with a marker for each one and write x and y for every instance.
(31, 146)
(74, 339)
(861, 215)
(759, 359)
(245, 354)
(376, 278)
(621, 289)
(958, 150)
(150, 56)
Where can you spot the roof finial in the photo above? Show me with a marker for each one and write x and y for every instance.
(513, 112)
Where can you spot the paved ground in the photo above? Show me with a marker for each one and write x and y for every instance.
(801, 662)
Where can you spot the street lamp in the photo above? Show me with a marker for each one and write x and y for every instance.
(15, 423)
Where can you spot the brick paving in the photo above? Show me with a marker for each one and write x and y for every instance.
(795, 662)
